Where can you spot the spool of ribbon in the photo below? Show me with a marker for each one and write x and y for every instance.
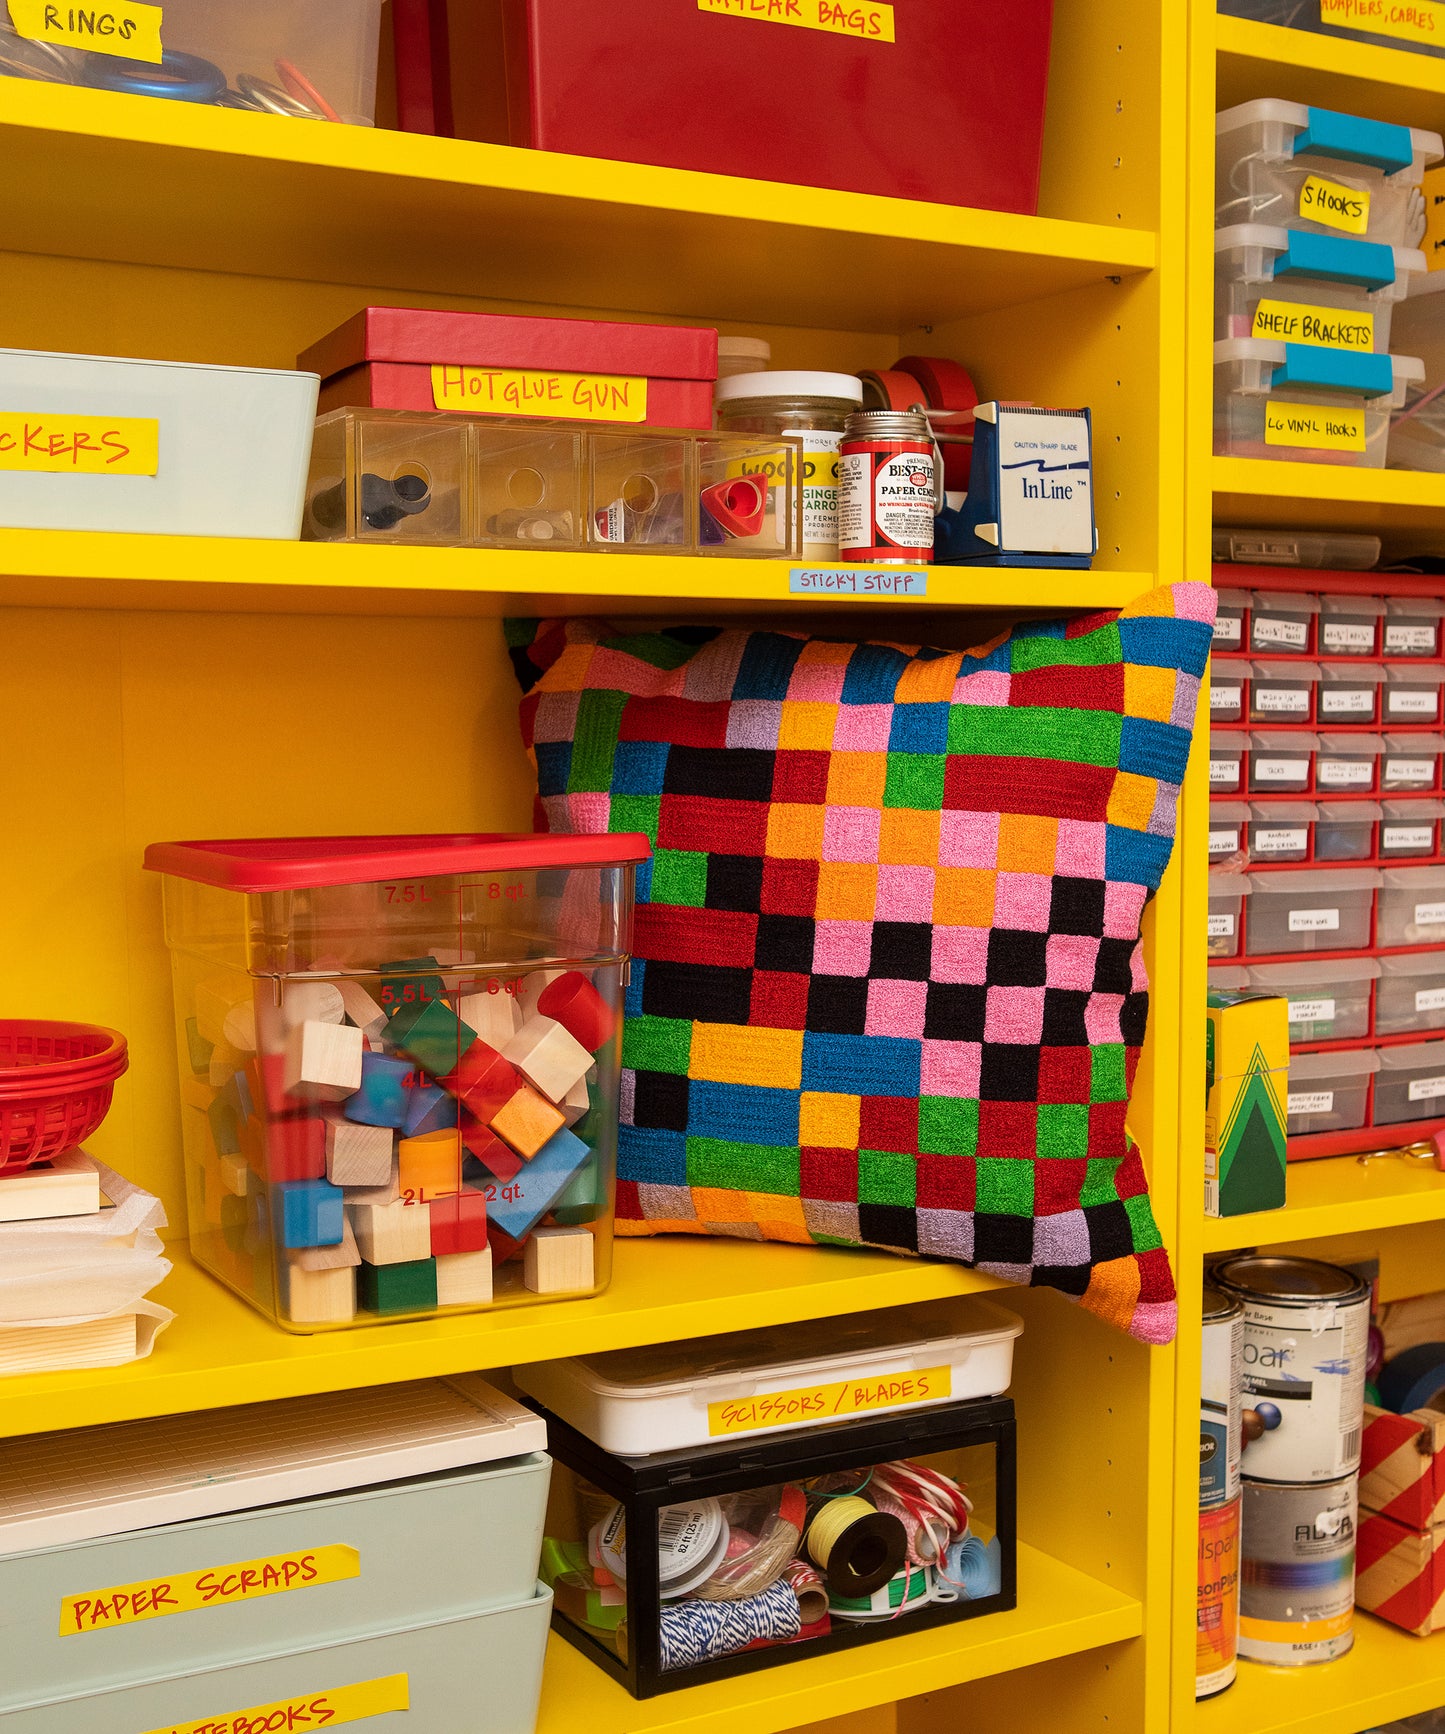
(856, 1546)
(807, 1583)
(974, 1567)
(696, 1631)
(932, 1508)
(1413, 1379)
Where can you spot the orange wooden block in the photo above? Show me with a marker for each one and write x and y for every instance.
(430, 1165)
(527, 1121)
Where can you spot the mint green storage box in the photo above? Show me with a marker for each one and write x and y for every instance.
(479, 1674)
(427, 1549)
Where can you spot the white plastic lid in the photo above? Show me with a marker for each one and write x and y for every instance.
(845, 386)
(1351, 746)
(1413, 674)
(1352, 1063)
(1286, 602)
(1284, 812)
(1306, 881)
(1344, 812)
(1427, 607)
(1312, 972)
(1413, 878)
(1269, 670)
(1408, 260)
(1282, 741)
(1410, 1057)
(1232, 598)
(749, 348)
(1352, 674)
(1228, 978)
(1421, 963)
(1414, 743)
(1400, 812)
(1368, 605)
(1223, 883)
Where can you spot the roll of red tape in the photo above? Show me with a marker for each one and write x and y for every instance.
(946, 385)
(890, 389)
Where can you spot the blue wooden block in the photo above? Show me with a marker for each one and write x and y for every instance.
(430, 1110)
(308, 1213)
(519, 1204)
(384, 1097)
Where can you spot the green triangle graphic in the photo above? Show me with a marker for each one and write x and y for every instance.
(1252, 1144)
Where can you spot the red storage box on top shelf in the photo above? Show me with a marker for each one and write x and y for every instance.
(582, 370)
(794, 90)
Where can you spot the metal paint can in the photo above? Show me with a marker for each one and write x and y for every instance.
(1220, 1435)
(1216, 1624)
(888, 493)
(1306, 1332)
(1297, 1580)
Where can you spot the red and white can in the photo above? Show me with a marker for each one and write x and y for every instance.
(887, 488)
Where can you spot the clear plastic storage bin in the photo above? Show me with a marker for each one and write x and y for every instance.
(1282, 622)
(1411, 1083)
(637, 491)
(1350, 625)
(526, 486)
(1411, 762)
(1417, 430)
(1347, 764)
(1228, 832)
(1412, 695)
(1349, 693)
(1314, 909)
(1410, 994)
(1279, 831)
(1227, 894)
(1290, 287)
(1282, 692)
(1230, 609)
(1289, 165)
(1227, 686)
(1313, 548)
(1411, 907)
(312, 62)
(1329, 1092)
(1412, 626)
(1279, 761)
(1329, 1001)
(1305, 15)
(1345, 830)
(1228, 757)
(399, 1066)
(1306, 405)
(389, 475)
(1410, 828)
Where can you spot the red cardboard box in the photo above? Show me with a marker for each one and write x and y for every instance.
(1402, 1466)
(585, 370)
(918, 99)
(1400, 1573)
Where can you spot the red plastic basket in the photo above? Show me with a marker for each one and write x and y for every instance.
(56, 1081)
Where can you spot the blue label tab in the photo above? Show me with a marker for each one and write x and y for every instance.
(1337, 259)
(1349, 138)
(1335, 370)
(855, 581)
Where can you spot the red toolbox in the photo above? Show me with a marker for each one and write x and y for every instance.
(511, 364)
(920, 99)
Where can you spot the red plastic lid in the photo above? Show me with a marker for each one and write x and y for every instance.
(294, 863)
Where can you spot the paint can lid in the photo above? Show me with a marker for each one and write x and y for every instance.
(1288, 1280)
(1217, 1305)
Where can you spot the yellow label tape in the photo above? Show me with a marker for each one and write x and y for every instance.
(873, 23)
(823, 1402)
(1419, 21)
(1314, 429)
(124, 27)
(219, 1587)
(82, 445)
(1320, 327)
(1334, 205)
(306, 1710)
(527, 391)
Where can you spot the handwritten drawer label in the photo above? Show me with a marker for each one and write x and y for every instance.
(1310, 1102)
(874, 23)
(1224, 698)
(306, 1710)
(1409, 20)
(1282, 770)
(1342, 635)
(1319, 327)
(1426, 1089)
(1314, 920)
(851, 581)
(1335, 774)
(1293, 633)
(1430, 999)
(1353, 701)
(1311, 1011)
(1398, 638)
(1417, 838)
(86, 445)
(1221, 927)
(532, 391)
(1412, 703)
(1281, 698)
(1409, 771)
(1335, 206)
(1228, 628)
(123, 27)
(1312, 428)
(1223, 771)
(1430, 915)
(821, 1402)
(1279, 840)
(218, 1587)
(1223, 842)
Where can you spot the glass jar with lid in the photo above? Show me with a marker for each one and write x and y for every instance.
(813, 405)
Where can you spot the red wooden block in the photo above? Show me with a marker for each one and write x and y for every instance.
(295, 1148)
(265, 1075)
(501, 1161)
(575, 1004)
(458, 1223)
(502, 1245)
(482, 1080)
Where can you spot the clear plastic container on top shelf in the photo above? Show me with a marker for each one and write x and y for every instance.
(1410, 828)
(1278, 831)
(1307, 15)
(1293, 287)
(1227, 683)
(1411, 907)
(1329, 1092)
(1331, 549)
(1412, 626)
(388, 475)
(1282, 692)
(1329, 999)
(1227, 894)
(1313, 909)
(1306, 405)
(1228, 832)
(1230, 608)
(1411, 762)
(1228, 758)
(1347, 764)
(526, 485)
(1410, 1084)
(747, 496)
(1345, 830)
(315, 62)
(1282, 622)
(1279, 761)
(1349, 693)
(1350, 625)
(1412, 695)
(399, 1066)
(1410, 994)
(1313, 169)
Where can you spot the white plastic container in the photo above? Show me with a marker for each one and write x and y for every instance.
(1328, 1092)
(1410, 994)
(1412, 626)
(1349, 693)
(1410, 828)
(1411, 762)
(1279, 831)
(1291, 287)
(1411, 1084)
(1315, 909)
(1412, 695)
(1230, 608)
(672, 1395)
(1282, 692)
(1332, 549)
(1283, 163)
(1228, 757)
(1329, 1000)
(1345, 830)
(1306, 405)
(168, 448)
(1350, 625)
(1411, 907)
(1279, 761)
(1347, 764)
(1228, 832)
(1227, 894)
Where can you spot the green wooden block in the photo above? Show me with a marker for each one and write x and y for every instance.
(408, 981)
(398, 1288)
(432, 1034)
(583, 1197)
(199, 1048)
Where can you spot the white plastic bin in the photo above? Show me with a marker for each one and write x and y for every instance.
(1417, 430)
(1228, 757)
(1227, 894)
(1412, 626)
(1329, 1092)
(1410, 994)
(1279, 761)
(1228, 832)
(1329, 1000)
(158, 446)
(1306, 405)
(1345, 830)
(1411, 762)
(1279, 831)
(1282, 692)
(1332, 549)
(1349, 693)
(1412, 695)
(1230, 608)
(1227, 684)
(1291, 287)
(1283, 163)
(1347, 764)
(1314, 909)
(1350, 625)
(1281, 622)
(1411, 1083)
(1411, 907)
(1411, 828)
(674, 1395)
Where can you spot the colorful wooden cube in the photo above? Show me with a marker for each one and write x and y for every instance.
(358, 1155)
(318, 1297)
(576, 1103)
(323, 1061)
(430, 1165)
(361, 1009)
(584, 1197)
(429, 1109)
(408, 981)
(493, 1015)
(387, 1193)
(198, 1049)
(459, 1223)
(235, 1175)
(398, 1288)
(226, 1061)
(295, 1147)
(548, 1057)
(197, 1093)
(391, 1233)
(238, 1027)
(559, 1261)
(344, 1253)
(214, 998)
(465, 1278)
(579, 1008)
(308, 1213)
(499, 1161)
(312, 1002)
(432, 1034)
(384, 1094)
(483, 1082)
(524, 1201)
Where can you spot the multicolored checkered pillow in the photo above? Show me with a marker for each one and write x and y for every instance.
(888, 986)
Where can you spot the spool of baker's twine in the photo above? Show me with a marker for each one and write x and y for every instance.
(697, 1631)
(932, 1508)
(856, 1546)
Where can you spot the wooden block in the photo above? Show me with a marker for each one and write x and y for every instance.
(526, 1122)
(67, 1186)
(576, 1102)
(226, 1061)
(579, 1008)
(559, 1261)
(429, 1110)
(221, 1117)
(387, 1193)
(583, 1198)
(235, 1175)
(432, 1034)
(398, 1288)
(239, 1027)
(198, 1048)
(492, 1015)
(295, 1147)
(465, 1278)
(483, 1082)
(337, 1257)
(197, 1093)
(459, 1223)
(308, 1213)
(214, 998)
(430, 1165)
(361, 1009)
(312, 1002)
(358, 1155)
(547, 1056)
(323, 1061)
(408, 981)
(319, 1297)
(500, 1162)
(391, 1233)
(522, 1202)
(385, 1093)
(531, 988)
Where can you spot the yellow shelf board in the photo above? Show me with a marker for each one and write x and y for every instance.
(1061, 1612)
(220, 190)
(1391, 84)
(1256, 491)
(1338, 1195)
(1388, 1674)
(93, 569)
(221, 1351)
